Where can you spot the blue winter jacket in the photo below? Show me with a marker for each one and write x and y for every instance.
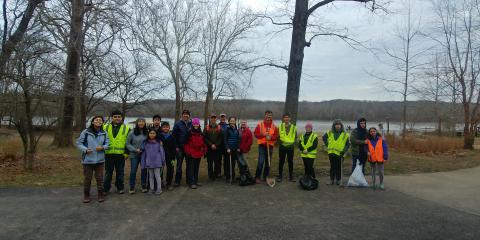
(180, 132)
(90, 139)
(232, 138)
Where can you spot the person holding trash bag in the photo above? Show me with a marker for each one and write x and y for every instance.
(337, 144)
(266, 133)
(358, 141)
(377, 154)
(232, 144)
(92, 143)
(308, 144)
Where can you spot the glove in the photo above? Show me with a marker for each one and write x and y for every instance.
(173, 162)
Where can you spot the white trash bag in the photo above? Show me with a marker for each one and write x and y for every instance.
(357, 179)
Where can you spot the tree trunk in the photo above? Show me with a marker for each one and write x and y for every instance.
(208, 105)
(71, 82)
(178, 101)
(296, 59)
(9, 45)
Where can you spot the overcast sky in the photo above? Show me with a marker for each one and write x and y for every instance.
(331, 69)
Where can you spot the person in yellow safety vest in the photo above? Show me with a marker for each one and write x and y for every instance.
(308, 145)
(288, 134)
(337, 142)
(117, 132)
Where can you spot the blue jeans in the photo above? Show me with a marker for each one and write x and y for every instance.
(262, 157)
(133, 173)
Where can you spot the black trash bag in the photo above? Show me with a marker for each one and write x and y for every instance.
(246, 179)
(308, 183)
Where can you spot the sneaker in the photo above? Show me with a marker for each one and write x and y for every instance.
(152, 191)
(169, 188)
(279, 179)
(291, 179)
(158, 193)
(193, 186)
(101, 196)
(121, 191)
(131, 191)
(144, 190)
(258, 181)
(330, 183)
(198, 184)
(176, 184)
(337, 183)
(382, 187)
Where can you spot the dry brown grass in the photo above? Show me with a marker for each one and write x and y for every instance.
(425, 144)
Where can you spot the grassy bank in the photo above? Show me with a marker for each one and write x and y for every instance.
(61, 167)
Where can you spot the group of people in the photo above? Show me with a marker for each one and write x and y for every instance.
(158, 149)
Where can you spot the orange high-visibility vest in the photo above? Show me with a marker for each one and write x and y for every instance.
(376, 153)
(263, 131)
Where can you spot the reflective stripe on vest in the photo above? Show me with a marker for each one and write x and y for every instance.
(376, 154)
(117, 144)
(336, 146)
(287, 139)
(311, 139)
(263, 131)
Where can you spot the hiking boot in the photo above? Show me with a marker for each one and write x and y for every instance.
(86, 197)
(193, 186)
(101, 196)
(382, 187)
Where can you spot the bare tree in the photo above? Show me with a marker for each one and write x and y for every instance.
(11, 37)
(130, 73)
(304, 30)
(168, 30)
(223, 59)
(405, 59)
(63, 138)
(33, 83)
(458, 25)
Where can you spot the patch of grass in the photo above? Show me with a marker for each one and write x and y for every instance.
(425, 144)
(62, 167)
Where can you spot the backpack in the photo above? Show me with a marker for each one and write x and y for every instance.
(308, 183)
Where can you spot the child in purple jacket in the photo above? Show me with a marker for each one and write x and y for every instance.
(153, 159)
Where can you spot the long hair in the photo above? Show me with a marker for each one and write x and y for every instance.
(91, 128)
(137, 131)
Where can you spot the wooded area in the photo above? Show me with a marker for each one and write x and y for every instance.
(63, 60)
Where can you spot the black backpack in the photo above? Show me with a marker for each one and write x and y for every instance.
(308, 183)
